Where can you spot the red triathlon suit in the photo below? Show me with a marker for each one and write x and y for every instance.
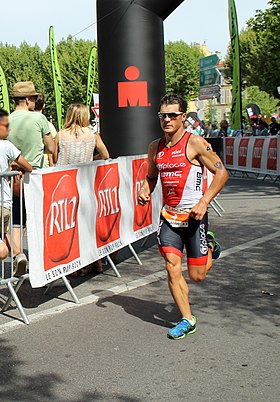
(182, 188)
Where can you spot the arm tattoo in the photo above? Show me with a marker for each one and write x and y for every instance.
(218, 165)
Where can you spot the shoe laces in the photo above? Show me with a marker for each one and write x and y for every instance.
(183, 324)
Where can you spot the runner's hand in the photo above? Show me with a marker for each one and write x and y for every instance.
(143, 197)
(199, 210)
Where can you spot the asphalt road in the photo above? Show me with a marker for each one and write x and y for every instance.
(116, 349)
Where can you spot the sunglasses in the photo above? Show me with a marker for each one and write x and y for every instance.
(171, 115)
(5, 125)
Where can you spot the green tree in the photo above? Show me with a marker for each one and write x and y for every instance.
(182, 69)
(22, 64)
(30, 63)
(260, 49)
(266, 103)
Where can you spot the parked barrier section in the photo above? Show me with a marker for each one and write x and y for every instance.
(260, 155)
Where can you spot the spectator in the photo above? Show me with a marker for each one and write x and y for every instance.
(252, 127)
(207, 128)
(8, 153)
(261, 119)
(261, 129)
(76, 144)
(243, 124)
(237, 133)
(29, 132)
(213, 132)
(274, 127)
(39, 107)
(225, 130)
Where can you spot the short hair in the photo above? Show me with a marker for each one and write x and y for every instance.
(18, 100)
(77, 116)
(174, 100)
(40, 101)
(3, 113)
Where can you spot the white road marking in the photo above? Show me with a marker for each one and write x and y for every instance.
(116, 290)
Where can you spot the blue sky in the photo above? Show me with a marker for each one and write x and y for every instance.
(193, 21)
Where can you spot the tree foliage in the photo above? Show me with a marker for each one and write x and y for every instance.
(260, 49)
(182, 69)
(266, 103)
(30, 63)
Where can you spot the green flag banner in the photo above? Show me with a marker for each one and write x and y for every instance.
(236, 108)
(91, 75)
(4, 95)
(57, 82)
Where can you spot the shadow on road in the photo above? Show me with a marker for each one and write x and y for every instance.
(42, 387)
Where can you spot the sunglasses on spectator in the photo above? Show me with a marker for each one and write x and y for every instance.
(5, 125)
(171, 115)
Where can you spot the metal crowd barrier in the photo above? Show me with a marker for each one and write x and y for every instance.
(8, 278)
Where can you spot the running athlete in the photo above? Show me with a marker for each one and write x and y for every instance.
(179, 159)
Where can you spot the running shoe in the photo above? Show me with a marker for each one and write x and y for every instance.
(183, 328)
(214, 245)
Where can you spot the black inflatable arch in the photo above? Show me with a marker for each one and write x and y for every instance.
(131, 71)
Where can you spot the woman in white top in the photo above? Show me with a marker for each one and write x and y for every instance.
(76, 144)
(76, 141)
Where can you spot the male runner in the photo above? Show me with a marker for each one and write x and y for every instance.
(179, 158)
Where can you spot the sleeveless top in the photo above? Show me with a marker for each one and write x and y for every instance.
(181, 180)
(75, 146)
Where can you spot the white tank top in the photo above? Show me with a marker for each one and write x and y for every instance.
(75, 146)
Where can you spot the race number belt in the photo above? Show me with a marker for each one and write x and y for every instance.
(176, 217)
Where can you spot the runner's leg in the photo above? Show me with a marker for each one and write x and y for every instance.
(199, 257)
(177, 285)
(171, 247)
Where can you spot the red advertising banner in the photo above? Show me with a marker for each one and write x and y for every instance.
(257, 153)
(60, 217)
(229, 150)
(272, 155)
(142, 214)
(243, 152)
(106, 187)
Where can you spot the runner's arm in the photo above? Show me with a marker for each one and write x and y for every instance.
(151, 179)
(209, 159)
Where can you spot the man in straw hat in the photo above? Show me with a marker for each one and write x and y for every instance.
(30, 133)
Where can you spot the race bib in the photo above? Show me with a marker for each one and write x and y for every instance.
(176, 219)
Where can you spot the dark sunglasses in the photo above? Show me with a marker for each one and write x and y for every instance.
(5, 125)
(171, 115)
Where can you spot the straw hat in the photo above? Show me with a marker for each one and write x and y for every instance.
(23, 88)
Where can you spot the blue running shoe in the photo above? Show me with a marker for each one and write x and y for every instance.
(214, 245)
(183, 328)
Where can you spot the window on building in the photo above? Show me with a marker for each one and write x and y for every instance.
(227, 113)
(228, 96)
(222, 97)
(218, 115)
